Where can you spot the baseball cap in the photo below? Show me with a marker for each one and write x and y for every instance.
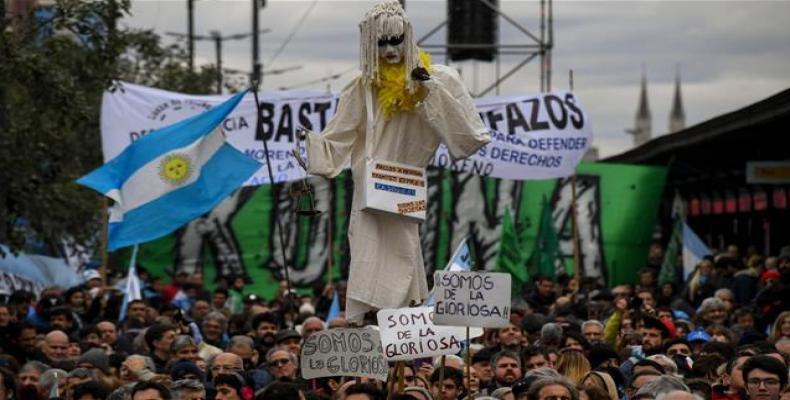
(90, 274)
(285, 334)
(698, 335)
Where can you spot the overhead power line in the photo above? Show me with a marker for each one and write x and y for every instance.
(293, 32)
(324, 79)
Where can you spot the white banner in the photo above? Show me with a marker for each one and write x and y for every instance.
(344, 352)
(409, 333)
(537, 136)
(472, 299)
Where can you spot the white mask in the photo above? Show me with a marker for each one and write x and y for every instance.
(391, 49)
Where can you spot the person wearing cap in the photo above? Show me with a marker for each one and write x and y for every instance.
(290, 339)
(95, 360)
(92, 278)
(654, 332)
(696, 339)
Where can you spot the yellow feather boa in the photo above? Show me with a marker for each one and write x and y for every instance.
(392, 92)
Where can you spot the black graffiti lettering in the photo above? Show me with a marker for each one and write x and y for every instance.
(561, 121)
(515, 119)
(577, 117)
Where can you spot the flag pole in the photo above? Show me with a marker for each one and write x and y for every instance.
(468, 361)
(271, 182)
(574, 222)
(105, 218)
(330, 252)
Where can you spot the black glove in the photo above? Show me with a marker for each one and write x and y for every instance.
(420, 74)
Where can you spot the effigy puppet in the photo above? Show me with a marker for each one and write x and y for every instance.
(410, 107)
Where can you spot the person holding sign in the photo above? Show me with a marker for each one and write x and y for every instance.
(400, 109)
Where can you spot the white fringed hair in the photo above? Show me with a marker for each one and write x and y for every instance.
(385, 20)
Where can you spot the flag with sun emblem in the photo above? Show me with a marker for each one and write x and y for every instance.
(170, 177)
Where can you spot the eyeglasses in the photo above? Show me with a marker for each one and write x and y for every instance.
(280, 362)
(756, 382)
(392, 41)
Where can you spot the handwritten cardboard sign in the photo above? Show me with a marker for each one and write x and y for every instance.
(346, 352)
(409, 333)
(472, 299)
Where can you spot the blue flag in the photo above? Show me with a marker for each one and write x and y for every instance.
(334, 309)
(170, 177)
(461, 261)
(132, 290)
(694, 249)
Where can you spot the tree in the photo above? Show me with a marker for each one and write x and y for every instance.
(55, 67)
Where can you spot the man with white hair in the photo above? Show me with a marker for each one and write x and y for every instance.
(592, 330)
(312, 325)
(188, 389)
(678, 395)
(400, 109)
(660, 385)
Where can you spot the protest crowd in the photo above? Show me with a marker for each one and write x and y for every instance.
(723, 333)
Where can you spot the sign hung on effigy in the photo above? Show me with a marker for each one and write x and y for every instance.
(409, 333)
(395, 188)
(466, 298)
(537, 136)
(346, 352)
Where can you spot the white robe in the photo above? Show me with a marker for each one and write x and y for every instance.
(387, 269)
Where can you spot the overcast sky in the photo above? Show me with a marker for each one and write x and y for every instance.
(730, 53)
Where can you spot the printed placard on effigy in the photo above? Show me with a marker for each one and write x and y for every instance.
(344, 352)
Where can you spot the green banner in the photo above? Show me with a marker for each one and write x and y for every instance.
(617, 205)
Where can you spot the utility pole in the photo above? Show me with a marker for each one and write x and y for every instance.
(191, 33)
(217, 38)
(256, 63)
(218, 51)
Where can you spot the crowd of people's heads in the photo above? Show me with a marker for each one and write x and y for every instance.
(720, 332)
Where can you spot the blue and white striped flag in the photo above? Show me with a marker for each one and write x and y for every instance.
(133, 289)
(334, 308)
(170, 177)
(694, 249)
(461, 261)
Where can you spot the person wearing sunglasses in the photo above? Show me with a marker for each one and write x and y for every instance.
(282, 364)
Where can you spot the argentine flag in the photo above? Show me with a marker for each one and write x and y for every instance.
(170, 177)
(461, 261)
(694, 249)
(133, 287)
